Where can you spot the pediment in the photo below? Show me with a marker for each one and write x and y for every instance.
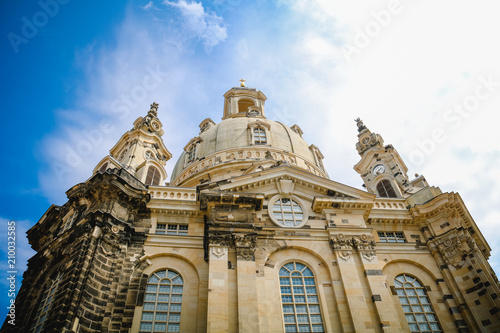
(318, 186)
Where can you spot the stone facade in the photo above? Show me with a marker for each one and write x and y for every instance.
(252, 236)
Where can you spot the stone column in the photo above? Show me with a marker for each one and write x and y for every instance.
(248, 311)
(218, 306)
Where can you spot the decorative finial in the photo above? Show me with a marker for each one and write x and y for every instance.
(360, 124)
(154, 106)
(242, 83)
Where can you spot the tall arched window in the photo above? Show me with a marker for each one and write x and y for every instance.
(153, 176)
(416, 306)
(162, 303)
(259, 136)
(299, 298)
(45, 304)
(385, 189)
(191, 153)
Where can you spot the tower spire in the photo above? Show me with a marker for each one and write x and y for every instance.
(367, 139)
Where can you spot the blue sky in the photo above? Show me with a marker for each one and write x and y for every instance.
(424, 75)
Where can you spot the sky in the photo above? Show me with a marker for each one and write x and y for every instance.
(423, 74)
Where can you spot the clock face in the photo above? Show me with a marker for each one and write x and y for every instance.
(378, 169)
(155, 124)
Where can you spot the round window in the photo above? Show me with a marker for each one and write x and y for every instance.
(287, 212)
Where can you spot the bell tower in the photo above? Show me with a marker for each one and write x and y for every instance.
(383, 170)
(141, 150)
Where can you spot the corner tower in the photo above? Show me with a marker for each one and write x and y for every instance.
(141, 150)
(382, 169)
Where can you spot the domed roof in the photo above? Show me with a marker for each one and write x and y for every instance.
(243, 141)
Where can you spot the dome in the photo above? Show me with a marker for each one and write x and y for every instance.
(244, 141)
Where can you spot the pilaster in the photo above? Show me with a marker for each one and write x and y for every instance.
(218, 306)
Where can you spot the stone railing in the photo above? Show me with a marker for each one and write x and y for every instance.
(172, 193)
(385, 203)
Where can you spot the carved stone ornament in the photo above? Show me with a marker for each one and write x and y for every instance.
(220, 239)
(455, 248)
(245, 240)
(219, 251)
(360, 243)
(245, 253)
(369, 255)
(345, 255)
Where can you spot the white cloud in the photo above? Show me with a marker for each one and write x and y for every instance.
(149, 5)
(201, 23)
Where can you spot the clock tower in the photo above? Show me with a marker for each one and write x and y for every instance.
(383, 170)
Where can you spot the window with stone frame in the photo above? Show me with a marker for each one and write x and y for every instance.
(299, 299)
(153, 176)
(161, 311)
(391, 237)
(45, 304)
(191, 153)
(103, 167)
(288, 212)
(385, 189)
(416, 305)
(259, 136)
(68, 222)
(171, 229)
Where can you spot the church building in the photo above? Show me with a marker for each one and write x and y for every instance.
(251, 235)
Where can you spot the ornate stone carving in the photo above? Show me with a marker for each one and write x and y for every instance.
(455, 247)
(369, 255)
(245, 240)
(218, 238)
(345, 255)
(245, 245)
(345, 245)
(245, 253)
(218, 251)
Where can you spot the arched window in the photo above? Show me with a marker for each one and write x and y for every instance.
(416, 306)
(244, 104)
(162, 302)
(45, 304)
(299, 298)
(259, 136)
(385, 189)
(153, 176)
(103, 167)
(191, 153)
